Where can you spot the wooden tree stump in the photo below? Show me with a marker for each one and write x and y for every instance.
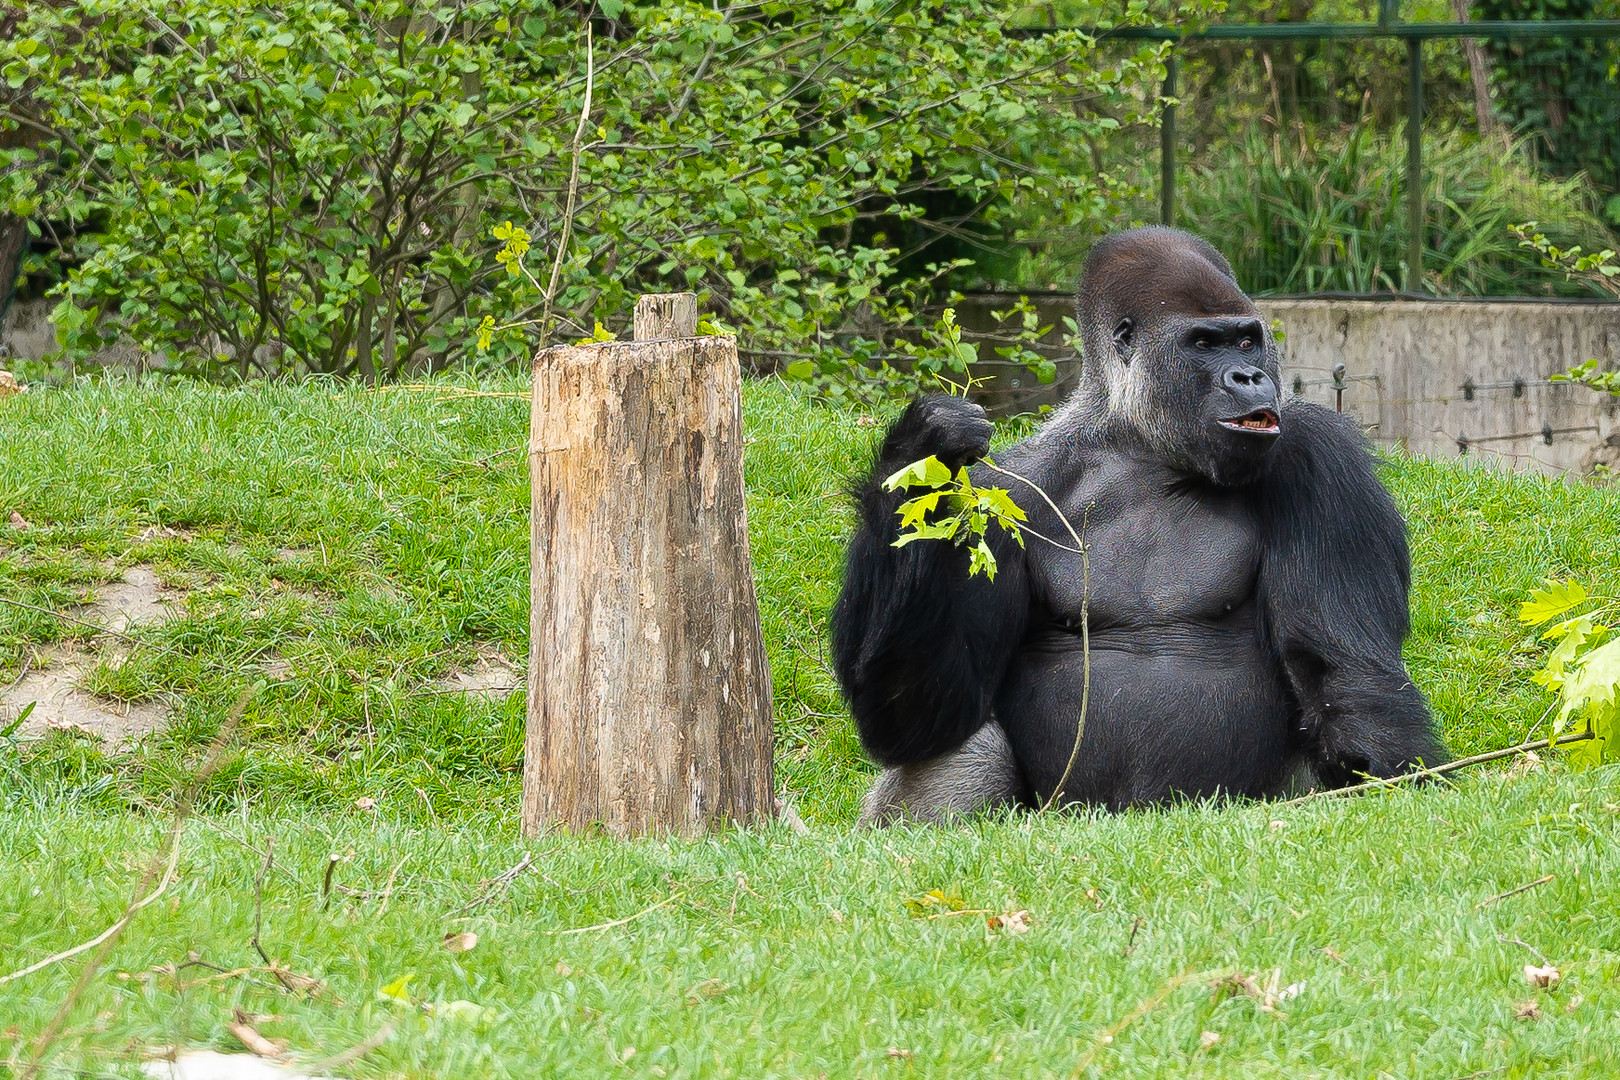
(649, 699)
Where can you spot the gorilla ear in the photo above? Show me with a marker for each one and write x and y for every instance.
(1123, 332)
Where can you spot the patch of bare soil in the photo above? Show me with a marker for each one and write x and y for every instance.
(138, 599)
(491, 676)
(51, 685)
(52, 680)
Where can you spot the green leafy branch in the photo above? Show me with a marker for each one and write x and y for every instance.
(1583, 668)
(1599, 269)
(953, 508)
(1607, 382)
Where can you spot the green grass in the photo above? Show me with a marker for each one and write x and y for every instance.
(797, 956)
(344, 550)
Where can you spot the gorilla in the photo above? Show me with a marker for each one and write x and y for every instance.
(1248, 578)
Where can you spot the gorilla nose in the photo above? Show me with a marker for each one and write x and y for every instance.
(1245, 380)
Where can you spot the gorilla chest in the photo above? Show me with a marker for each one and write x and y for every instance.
(1160, 554)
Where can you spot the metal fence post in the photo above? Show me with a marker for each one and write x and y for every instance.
(1167, 147)
(1414, 164)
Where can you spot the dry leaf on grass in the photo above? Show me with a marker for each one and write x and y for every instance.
(365, 803)
(1267, 995)
(19, 522)
(707, 990)
(9, 384)
(1012, 923)
(1527, 1010)
(465, 941)
(1545, 976)
(1208, 1039)
(1528, 762)
(896, 1052)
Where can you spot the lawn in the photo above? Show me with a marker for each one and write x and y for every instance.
(352, 565)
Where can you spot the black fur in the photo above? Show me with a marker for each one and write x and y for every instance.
(1248, 582)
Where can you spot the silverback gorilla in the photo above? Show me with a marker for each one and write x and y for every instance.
(1249, 577)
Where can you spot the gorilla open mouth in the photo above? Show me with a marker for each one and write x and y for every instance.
(1261, 422)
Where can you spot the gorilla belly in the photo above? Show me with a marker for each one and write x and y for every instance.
(1193, 710)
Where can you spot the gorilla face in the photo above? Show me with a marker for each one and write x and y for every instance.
(1175, 351)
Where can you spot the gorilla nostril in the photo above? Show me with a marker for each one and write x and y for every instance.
(1244, 377)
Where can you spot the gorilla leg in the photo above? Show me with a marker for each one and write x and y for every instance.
(979, 776)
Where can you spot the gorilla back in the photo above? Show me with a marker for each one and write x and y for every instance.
(1248, 577)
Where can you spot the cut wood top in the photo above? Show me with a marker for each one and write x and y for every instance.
(666, 315)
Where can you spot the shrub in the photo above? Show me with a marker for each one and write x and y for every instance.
(274, 185)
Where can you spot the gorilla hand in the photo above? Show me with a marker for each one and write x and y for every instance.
(953, 429)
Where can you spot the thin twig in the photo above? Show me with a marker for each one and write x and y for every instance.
(69, 618)
(617, 922)
(258, 914)
(1143, 1007)
(332, 861)
(388, 889)
(501, 881)
(353, 1053)
(1537, 953)
(129, 913)
(1489, 900)
(1085, 616)
(1085, 656)
(567, 234)
(1440, 770)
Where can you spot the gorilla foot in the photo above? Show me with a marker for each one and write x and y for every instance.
(982, 775)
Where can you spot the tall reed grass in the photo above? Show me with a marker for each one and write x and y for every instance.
(1326, 212)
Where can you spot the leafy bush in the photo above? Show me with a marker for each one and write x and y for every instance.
(281, 185)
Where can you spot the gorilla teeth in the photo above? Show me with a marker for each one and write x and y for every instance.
(1259, 420)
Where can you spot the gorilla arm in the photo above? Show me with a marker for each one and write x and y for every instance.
(919, 646)
(1334, 576)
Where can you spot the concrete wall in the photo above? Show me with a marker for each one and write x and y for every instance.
(1431, 376)
(1443, 378)
(28, 332)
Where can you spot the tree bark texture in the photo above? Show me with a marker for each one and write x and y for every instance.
(649, 699)
(1479, 72)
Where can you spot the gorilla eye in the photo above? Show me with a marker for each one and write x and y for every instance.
(1122, 334)
(1246, 344)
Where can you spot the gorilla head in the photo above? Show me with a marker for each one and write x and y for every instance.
(1177, 358)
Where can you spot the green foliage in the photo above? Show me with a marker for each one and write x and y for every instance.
(954, 509)
(1330, 213)
(1583, 668)
(1562, 92)
(1598, 269)
(315, 185)
(1587, 373)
